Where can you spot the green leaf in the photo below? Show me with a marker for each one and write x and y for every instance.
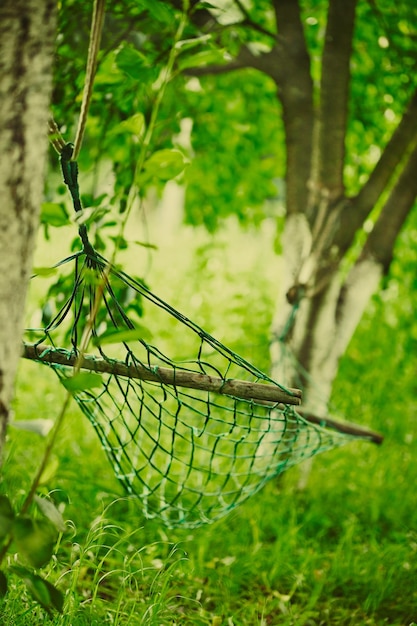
(82, 381)
(121, 242)
(3, 584)
(57, 597)
(6, 516)
(145, 244)
(91, 214)
(49, 510)
(54, 214)
(163, 165)
(48, 596)
(131, 62)
(35, 539)
(49, 471)
(159, 11)
(35, 585)
(45, 271)
(91, 277)
(134, 125)
(120, 336)
(205, 57)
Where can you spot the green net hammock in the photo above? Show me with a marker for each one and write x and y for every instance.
(191, 435)
(191, 428)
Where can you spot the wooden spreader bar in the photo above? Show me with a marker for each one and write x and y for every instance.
(178, 378)
(258, 392)
(349, 428)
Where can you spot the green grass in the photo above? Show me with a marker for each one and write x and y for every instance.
(342, 552)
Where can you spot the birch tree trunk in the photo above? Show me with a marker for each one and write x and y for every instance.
(27, 31)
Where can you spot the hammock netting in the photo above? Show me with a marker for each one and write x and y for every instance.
(191, 435)
(190, 428)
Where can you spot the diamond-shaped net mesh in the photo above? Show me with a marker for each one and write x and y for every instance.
(190, 427)
(192, 434)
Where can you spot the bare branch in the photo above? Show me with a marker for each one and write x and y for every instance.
(334, 95)
(212, 70)
(244, 59)
(269, 395)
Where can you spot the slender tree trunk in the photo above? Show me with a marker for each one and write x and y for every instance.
(27, 31)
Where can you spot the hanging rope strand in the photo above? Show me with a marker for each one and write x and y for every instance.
(93, 48)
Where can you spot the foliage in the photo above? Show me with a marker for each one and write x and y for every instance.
(239, 152)
(228, 126)
(381, 84)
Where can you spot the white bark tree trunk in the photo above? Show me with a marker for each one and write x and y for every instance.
(27, 30)
(314, 331)
(311, 334)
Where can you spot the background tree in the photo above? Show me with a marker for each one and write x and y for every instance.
(27, 31)
(338, 96)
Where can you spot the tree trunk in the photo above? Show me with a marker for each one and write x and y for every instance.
(319, 308)
(27, 30)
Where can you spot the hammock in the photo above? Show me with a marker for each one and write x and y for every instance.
(191, 435)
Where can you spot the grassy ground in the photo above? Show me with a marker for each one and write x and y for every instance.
(341, 552)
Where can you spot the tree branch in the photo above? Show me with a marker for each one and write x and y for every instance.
(244, 59)
(381, 240)
(348, 428)
(360, 207)
(248, 21)
(365, 275)
(401, 139)
(264, 394)
(288, 64)
(334, 89)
